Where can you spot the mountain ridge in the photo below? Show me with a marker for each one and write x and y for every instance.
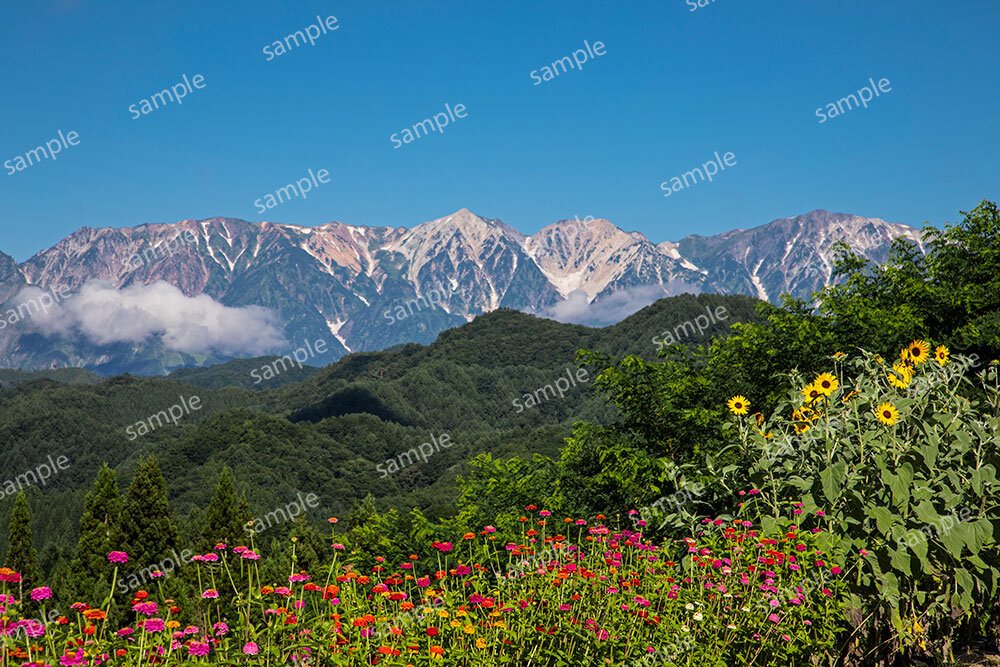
(340, 282)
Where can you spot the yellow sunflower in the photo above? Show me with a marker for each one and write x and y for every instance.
(812, 393)
(905, 370)
(898, 381)
(941, 354)
(919, 352)
(738, 405)
(826, 383)
(851, 394)
(887, 413)
(801, 428)
(839, 355)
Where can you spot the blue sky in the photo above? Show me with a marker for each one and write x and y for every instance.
(740, 76)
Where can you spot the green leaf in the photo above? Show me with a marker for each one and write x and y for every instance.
(926, 513)
(919, 549)
(901, 561)
(883, 519)
(899, 484)
(953, 540)
(833, 479)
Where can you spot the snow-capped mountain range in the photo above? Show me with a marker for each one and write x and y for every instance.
(159, 296)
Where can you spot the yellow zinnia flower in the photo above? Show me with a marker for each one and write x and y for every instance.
(919, 351)
(738, 405)
(941, 354)
(887, 413)
(826, 383)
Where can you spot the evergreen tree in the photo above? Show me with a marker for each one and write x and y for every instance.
(144, 530)
(21, 554)
(226, 516)
(91, 575)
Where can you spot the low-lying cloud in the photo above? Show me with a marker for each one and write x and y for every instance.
(576, 309)
(104, 315)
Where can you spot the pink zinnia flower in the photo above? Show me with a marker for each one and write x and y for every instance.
(774, 618)
(835, 570)
(197, 648)
(221, 629)
(73, 658)
(41, 593)
(210, 593)
(118, 557)
(153, 624)
(147, 608)
(250, 648)
(32, 628)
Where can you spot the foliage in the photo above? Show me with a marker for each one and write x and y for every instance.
(904, 473)
(100, 512)
(21, 555)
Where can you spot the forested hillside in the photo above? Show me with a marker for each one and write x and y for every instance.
(326, 434)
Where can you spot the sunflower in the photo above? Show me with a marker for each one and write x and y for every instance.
(898, 381)
(812, 393)
(919, 351)
(738, 405)
(941, 354)
(826, 383)
(904, 370)
(801, 428)
(887, 414)
(851, 394)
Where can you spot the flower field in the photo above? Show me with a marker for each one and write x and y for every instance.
(585, 594)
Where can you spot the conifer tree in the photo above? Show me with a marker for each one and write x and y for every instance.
(21, 554)
(145, 529)
(91, 575)
(226, 516)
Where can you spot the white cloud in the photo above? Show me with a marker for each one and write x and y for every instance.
(615, 307)
(104, 315)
